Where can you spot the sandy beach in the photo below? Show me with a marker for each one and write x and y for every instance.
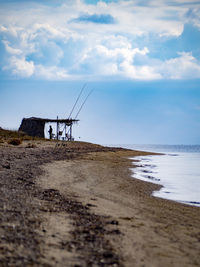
(78, 205)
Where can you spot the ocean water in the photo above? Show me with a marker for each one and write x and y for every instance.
(178, 171)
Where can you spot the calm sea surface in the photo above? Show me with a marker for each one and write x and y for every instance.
(178, 171)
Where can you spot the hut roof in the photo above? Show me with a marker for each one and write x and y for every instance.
(52, 120)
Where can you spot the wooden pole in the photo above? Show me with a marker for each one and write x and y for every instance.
(57, 128)
(71, 132)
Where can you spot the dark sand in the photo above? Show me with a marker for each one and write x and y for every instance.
(77, 205)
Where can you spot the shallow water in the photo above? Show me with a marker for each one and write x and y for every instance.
(179, 175)
(178, 171)
(165, 148)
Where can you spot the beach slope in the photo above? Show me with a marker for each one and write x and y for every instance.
(78, 205)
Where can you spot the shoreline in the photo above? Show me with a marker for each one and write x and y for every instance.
(87, 209)
(153, 169)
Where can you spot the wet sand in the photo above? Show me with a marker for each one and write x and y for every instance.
(77, 205)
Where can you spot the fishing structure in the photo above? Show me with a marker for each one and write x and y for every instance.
(36, 126)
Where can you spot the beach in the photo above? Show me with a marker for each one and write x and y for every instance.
(77, 204)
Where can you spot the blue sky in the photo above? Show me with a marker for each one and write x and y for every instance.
(142, 58)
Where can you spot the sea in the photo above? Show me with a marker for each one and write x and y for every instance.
(177, 170)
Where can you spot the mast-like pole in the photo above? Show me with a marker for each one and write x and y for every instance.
(83, 103)
(77, 100)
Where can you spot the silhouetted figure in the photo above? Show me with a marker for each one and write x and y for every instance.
(50, 132)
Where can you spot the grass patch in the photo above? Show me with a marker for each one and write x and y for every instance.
(6, 135)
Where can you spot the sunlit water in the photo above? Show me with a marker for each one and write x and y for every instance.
(178, 171)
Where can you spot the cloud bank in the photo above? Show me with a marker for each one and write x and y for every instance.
(70, 40)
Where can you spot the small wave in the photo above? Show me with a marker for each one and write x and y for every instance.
(151, 178)
(194, 202)
(148, 171)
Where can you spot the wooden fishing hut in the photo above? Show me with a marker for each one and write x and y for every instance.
(35, 127)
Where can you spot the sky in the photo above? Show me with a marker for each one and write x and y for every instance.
(140, 58)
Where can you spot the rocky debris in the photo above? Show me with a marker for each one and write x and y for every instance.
(6, 166)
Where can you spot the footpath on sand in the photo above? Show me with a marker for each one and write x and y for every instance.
(77, 205)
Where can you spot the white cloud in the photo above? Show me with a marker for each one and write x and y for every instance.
(139, 72)
(12, 31)
(127, 53)
(51, 73)
(193, 16)
(110, 69)
(185, 66)
(117, 62)
(20, 67)
(44, 41)
(11, 50)
(50, 32)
